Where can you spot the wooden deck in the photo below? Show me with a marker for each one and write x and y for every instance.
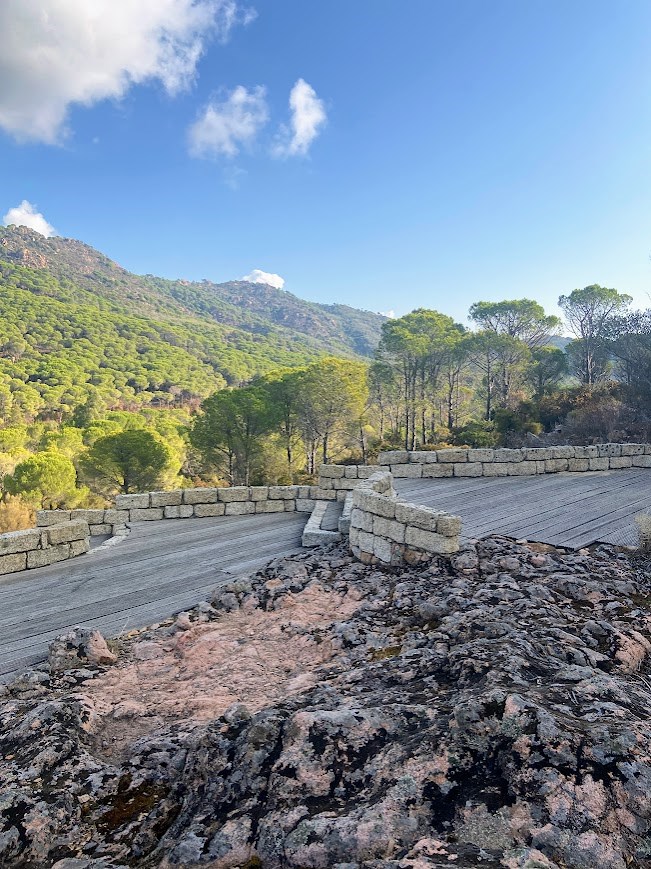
(161, 568)
(568, 510)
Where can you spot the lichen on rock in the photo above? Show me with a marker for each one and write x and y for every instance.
(488, 708)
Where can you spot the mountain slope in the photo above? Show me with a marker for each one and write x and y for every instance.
(251, 307)
(77, 330)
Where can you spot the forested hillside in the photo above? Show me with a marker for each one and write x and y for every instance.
(75, 328)
(256, 309)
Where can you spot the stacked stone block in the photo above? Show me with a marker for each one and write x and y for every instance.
(385, 530)
(336, 481)
(461, 462)
(39, 547)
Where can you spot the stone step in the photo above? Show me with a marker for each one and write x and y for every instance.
(321, 527)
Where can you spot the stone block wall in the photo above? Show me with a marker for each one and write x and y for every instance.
(460, 462)
(386, 530)
(39, 547)
(336, 481)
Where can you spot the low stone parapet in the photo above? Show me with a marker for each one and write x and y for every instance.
(204, 502)
(386, 530)
(39, 547)
(526, 461)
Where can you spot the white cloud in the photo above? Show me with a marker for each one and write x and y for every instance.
(224, 127)
(390, 314)
(64, 52)
(259, 277)
(308, 117)
(26, 214)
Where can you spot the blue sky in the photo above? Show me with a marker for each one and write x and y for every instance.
(442, 153)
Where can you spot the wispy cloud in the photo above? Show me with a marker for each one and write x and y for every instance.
(224, 127)
(257, 276)
(308, 116)
(68, 52)
(26, 214)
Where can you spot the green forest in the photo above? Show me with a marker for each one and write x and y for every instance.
(122, 390)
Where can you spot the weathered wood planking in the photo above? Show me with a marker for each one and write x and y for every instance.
(571, 510)
(160, 569)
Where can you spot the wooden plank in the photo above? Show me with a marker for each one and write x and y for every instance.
(161, 568)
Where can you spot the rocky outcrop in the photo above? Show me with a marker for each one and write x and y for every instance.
(485, 708)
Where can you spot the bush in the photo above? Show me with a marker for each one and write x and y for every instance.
(15, 514)
(476, 434)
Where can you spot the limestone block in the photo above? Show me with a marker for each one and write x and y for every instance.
(361, 520)
(350, 471)
(132, 502)
(389, 528)
(240, 508)
(449, 526)
(79, 547)
(204, 511)
(452, 455)
(540, 467)
(51, 517)
(365, 541)
(555, 466)
(495, 469)
(586, 452)
(146, 515)
(564, 452)
(647, 449)
(537, 454)
(303, 505)
(93, 517)
(346, 483)
(642, 461)
(284, 493)
(290, 506)
(522, 469)
(235, 493)
(353, 538)
(430, 541)
(578, 465)
(402, 471)
(200, 496)
(166, 499)
(325, 495)
(382, 549)
(342, 494)
(617, 462)
(19, 541)
(115, 517)
(39, 558)
(424, 457)
(182, 511)
(632, 449)
(471, 469)
(393, 457)
(366, 471)
(334, 471)
(326, 483)
(45, 557)
(419, 517)
(67, 531)
(608, 450)
(600, 464)
(261, 493)
(481, 455)
(376, 504)
(503, 455)
(436, 471)
(99, 531)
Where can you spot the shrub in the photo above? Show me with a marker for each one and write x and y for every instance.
(15, 514)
